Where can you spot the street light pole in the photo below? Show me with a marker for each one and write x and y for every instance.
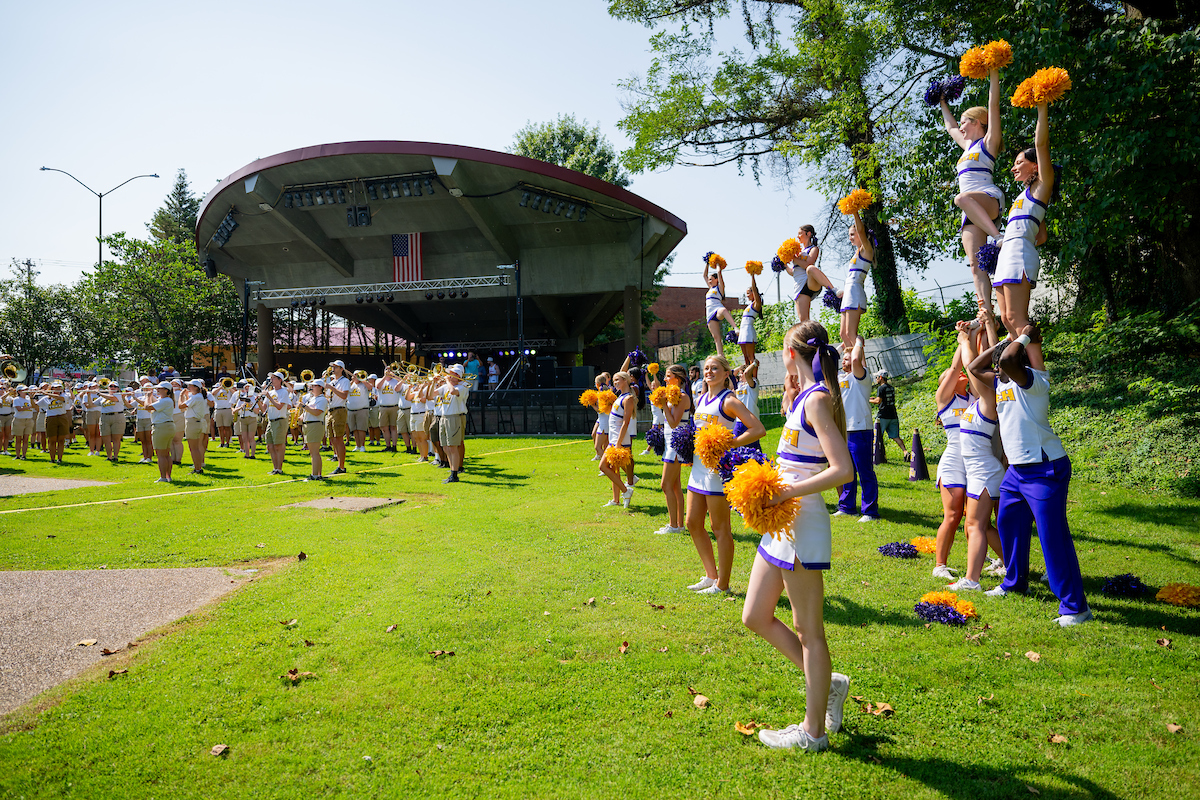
(100, 197)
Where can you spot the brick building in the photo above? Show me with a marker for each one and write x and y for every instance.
(680, 312)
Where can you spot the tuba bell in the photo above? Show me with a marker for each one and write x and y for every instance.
(13, 371)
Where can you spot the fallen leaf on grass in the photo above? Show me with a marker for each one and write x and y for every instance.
(987, 699)
(669, 714)
(113, 672)
(260, 546)
(307, 643)
(747, 729)
(692, 691)
(700, 701)
(51, 536)
(107, 652)
(219, 749)
(287, 623)
(1173, 728)
(440, 653)
(1008, 655)
(883, 710)
(1034, 657)
(624, 646)
(302, 556)
(875, 759)
(976, 637)
(662, 649)
(1032, 790)
(85, 643)
(652, 605)
(1058, 738)
(545, 613)
(295, 676)
(1163, 642)
(591, 601)
(389, 629)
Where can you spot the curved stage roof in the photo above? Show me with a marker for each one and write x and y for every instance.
(326, 221)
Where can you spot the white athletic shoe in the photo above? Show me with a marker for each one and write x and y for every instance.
(595, 458)
(840, 513)
(1045, 579)
(714, 589)
(997, 592)
(680, 529)
(634, 481)
(1067, 620)
(995, 567)
(704, 583)
(664, 529)
(360, 449)
(868, 518)
(610, 503)
(964, 585)
(793, 736)
(942, 571)
(839, 690)
(644, 452)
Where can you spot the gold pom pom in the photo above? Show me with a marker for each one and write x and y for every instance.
(618, 457)
(711, 443)
(674, 394)
(588, 398)
(997, 55)
(754, 267)
(658, 398)
(1179, 594)
(974, 63)
(940, 598)
(752, 485)
(966, 608)
(924, 544)
(1044, 86)
(788, 251)
(855, 201)
(653, 368)
(716, 261)
(606, 400)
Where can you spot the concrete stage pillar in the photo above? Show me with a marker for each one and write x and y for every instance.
(633, 318)
(266, 343)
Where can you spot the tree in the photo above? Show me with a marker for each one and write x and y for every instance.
(38, 326)
(176, 220)
(571, 144)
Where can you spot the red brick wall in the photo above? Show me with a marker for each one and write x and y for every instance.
(677, 307)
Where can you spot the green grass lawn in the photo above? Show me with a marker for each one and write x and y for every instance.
(537, 700)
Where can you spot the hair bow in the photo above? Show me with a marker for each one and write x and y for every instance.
(823, 348)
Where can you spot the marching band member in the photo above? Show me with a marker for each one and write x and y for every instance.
(91, 418)
(338, 389)
(438, 392)
(39, 419)
(57, 407)
(393, 409)
(112, 422)
(358, 404)
(314, 408)
(22, 427)
(178, 416)
(142, 421)
(454, 420)
(278, 402)
(373, 428)
(222, 395)
(161, 404)
(7, 413)
(196, 422)
(245, 410)
(416, 396)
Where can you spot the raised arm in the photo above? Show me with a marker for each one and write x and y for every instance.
(992, 139)
(864, 241)
(757, 302)
(952, 126)
(858, 359)
(945, 390)
(1044, 187)
(721, 281)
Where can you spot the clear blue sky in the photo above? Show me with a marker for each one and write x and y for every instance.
(111, 90)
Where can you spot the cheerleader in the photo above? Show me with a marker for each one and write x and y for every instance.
(714, 306)
(196, 422)
(854, 291)
(657, 415)
(600, 430)
(313, 410)
(622, 425)
(1037, 481)
(952, 397)
(278, 403)
(813, 457)
(1018, 264)
(978, 196)
(746, 391)
(160, 402)
(747, 337)
(804, 271)
(674, 415)
(855, 387)
(706, 494)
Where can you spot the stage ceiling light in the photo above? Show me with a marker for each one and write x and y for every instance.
(441, 295)
(371, 193)
(358, 299)
(429, 295)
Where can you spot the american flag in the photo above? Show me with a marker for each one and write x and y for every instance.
(406, 257)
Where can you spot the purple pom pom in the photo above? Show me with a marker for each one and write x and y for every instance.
(683, 441)
(933, 95)
(952, 88)
(731, 337)
(734, 458)
(900, 550)
(707, 256)
(656, 440)
(777, 264)
(831, 301)
(988, 254)
(637, 358)
(937, 612)
(1126, 585)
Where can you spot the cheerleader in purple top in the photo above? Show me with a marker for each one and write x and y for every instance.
(813, 457)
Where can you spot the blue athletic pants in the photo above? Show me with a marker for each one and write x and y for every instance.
(862, 453)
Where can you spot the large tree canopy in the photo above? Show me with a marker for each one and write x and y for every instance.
(571, 144)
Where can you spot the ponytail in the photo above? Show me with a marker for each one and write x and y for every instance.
(808, 339)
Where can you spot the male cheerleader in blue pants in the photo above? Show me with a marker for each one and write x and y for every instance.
(1039, 473)
(860, 436)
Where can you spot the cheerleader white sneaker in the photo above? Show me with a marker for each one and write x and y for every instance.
(840, 513)
(634, 481)
(839, 690)
(995, 567)
(942, 571)
(714, 589)
(1067, 620)
(964, 585)
(793, 736)
(997, 592)
(595, 458)
(610, 503)
(868, 518)
(703, 583)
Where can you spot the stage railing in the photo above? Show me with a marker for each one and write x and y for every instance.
(528, 412)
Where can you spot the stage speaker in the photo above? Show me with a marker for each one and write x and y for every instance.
(545, 376)
(210, 267)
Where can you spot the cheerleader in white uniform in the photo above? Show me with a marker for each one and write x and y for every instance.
(1018, 263)
(854, 291)
(978, 134)
(675, 415)
(813, 457)
(714, 306)
(953, 396)
(706, 494)
(658, 416)
(600, 429)
(747, 392)
(622, 425)
(804, 271)
(747, 337)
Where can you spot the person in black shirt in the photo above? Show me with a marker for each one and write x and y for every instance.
(886, 414)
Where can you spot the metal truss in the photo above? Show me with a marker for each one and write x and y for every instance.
(485, 344)
(353, 290)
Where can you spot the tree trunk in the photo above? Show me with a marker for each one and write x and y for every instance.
(890, 302)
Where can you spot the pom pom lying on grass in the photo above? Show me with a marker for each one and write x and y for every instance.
(653, 368)
(855, 201)
(987, 256)
(658, 398)
(674, 394)
(899, 550)
(934, 612)
(754, 483)
(831, 301)
(1179, 594)
(734, 457)
(1126, 585)
(933, 95)
(788, 251)
(656, 440)
(618, 457)
(711, 443)
(605, 400)
(997, 54)
(683, 441)
(965, 608)
(754, 267)
(777, 264)
(731, 337)
(973, 63)
(715, 261)
(636, 357)
(952, 88)
(1044, 86)
(588, 398)
(924, 544)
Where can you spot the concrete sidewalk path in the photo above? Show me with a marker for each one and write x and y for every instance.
(45, 614)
